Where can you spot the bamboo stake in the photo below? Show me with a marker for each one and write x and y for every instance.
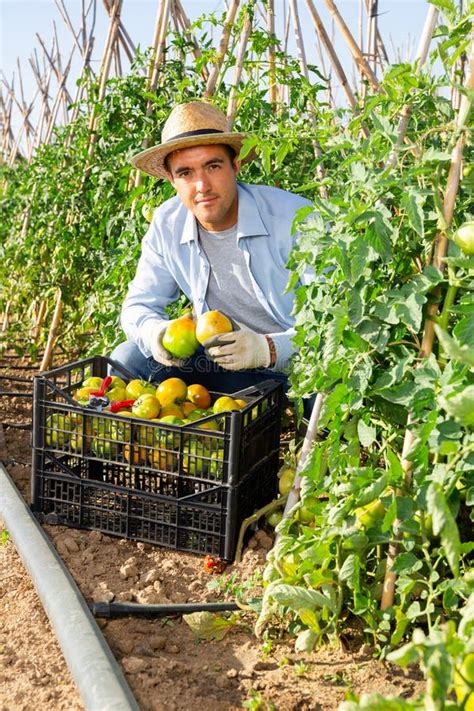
(104, 74)
(39, 321)
(304, 70)
(381, 51)
(45, 363)
(329, 47)
(421, 55)
(372, 35)
(159, 46)
(6, 316)
(57, 101)
(353, 46)
(270, 17)
(440, 250)
(123, 37)
(186, 25)
(310, 436)
(232, 105)
(222, 49)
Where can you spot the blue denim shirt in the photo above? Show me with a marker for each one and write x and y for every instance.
(171, 260)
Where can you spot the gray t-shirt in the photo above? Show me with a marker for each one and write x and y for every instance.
(230, 287)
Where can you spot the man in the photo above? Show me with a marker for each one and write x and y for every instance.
(225, 245)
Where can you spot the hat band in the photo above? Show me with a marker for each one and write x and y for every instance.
(198, 132)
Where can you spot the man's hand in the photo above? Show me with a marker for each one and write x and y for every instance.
(239, 350)
(159, 352)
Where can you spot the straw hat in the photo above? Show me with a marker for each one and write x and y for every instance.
(192, 124)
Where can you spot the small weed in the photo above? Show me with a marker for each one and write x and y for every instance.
(301, 669)
(232, 585)
(338, 679)
(256, 702)
(266, 649)
(4, 537)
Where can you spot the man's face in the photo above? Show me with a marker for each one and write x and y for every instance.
(205, 179)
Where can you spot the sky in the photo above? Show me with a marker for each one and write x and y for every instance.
(400, 24)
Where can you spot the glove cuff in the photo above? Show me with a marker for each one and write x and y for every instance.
(273, 353)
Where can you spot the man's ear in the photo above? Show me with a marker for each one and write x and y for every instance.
(236, 164)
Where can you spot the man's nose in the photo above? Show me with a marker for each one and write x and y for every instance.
(202, 183)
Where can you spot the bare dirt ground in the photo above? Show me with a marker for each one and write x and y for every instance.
(166, 666)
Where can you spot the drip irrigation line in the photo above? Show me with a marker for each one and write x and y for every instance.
(96, 672)
(124, 609)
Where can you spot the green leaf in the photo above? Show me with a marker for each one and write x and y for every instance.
(461, 405)
(406, 563)
(367, 434)
(350, 571)
(378, 237)
(208, 625)
(453, 350)
(444, 525)
(306, 641)
(298, 598)
(412, 201)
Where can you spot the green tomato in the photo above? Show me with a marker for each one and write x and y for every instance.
(59, 428)
(369, 515)
(146, 406)
(92, 382)
(216, 465)
(286, 477)
(464, 238)
(306, 513)
(195, 458)
(273, 518)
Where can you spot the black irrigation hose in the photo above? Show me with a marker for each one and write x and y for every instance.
(124, 609)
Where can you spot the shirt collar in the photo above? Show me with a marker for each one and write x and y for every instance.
(249, 220)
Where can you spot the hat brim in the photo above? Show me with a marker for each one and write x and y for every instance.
(152, 160)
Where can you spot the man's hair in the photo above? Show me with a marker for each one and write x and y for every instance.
(228, 149)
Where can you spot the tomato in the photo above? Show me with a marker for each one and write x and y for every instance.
(146, 407)
(225, 404)
(464, 682)
(285, 481)
(367, 516)
(241, 403)
(148, 211)
(464, 237)
(212, 323)
(83, 393)
(116, 394)
(195, 456)
(199, 395)
(188, 407)
(216, 465)
(117, 382)
(138, 387)
(274, 518)
(93, 382)
(180, 338)
(59, 428)
(171, 410)
(170, 391)
(307, 511)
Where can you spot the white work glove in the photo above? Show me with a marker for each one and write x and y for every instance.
(239, 350)
(158, 351)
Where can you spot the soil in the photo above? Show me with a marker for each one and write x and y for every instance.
(166, 666)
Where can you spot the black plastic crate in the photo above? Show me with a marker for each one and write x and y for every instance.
(182, 487)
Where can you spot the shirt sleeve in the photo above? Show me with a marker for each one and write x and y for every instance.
(150, 291)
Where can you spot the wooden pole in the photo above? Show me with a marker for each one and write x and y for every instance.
(304, 71)
(270, 17)
(222, 49)
(45, 363)
(353, 46)
(104, 74)
(329, 47)
(421, 55)
(439, 254)
(232, 105)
